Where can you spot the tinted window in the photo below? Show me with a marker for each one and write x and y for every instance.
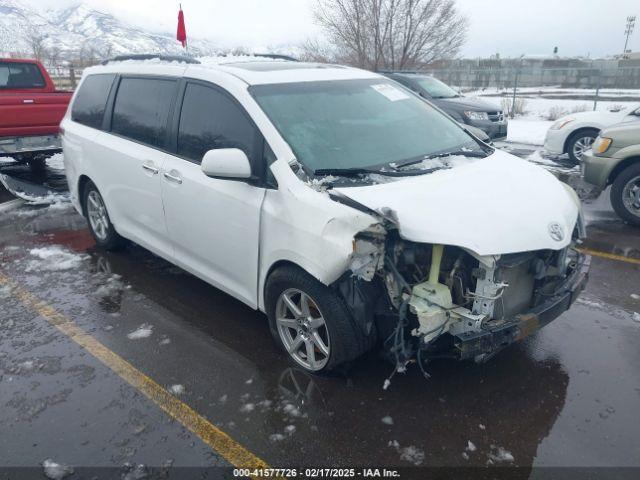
(141, 109)
(210, 119)
(91, 100)
(20, 75)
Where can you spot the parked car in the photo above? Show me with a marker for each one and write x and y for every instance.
(573, 134)
(466, 110)
(30, 111)
(348, 210)
(615, 160)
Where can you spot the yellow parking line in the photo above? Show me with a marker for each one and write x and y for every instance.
(609, 256)
(218, 440)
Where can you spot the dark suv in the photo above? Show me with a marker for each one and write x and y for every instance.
(469, 111)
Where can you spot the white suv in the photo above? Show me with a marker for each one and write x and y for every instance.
(340, 204)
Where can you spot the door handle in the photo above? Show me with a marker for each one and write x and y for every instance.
(150, 168)
(172, 177)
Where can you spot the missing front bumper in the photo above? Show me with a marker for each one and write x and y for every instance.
(484, 344)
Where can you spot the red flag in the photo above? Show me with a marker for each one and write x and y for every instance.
(182, 30)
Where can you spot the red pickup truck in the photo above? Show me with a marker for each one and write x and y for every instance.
(30, 111)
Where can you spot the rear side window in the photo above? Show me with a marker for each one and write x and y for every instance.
(209, 120)
(142, 108)
(91, 100)
(15, 75)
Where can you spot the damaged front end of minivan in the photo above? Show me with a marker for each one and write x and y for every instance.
(427, 301)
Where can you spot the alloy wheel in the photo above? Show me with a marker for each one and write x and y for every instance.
(97, 213)
(302, 329)
(631, 196)
(582, 145)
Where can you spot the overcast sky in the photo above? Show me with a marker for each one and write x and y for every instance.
(510, 27)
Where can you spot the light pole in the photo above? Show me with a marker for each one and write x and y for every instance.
(631, 22)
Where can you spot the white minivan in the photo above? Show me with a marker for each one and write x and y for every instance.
(333, 199)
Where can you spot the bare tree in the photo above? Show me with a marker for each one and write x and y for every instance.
(389, 34)
(35, 39)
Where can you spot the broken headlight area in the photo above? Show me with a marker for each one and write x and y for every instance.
(432, 301)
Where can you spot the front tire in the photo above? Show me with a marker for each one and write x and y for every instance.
(310, 321)
(625, 195)
(100, 225)
(580, 142)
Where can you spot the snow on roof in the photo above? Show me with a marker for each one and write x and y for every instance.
(252, 69)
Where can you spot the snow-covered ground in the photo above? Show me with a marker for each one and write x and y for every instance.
(543, 105)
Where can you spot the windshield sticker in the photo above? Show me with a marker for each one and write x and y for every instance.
(392, 93)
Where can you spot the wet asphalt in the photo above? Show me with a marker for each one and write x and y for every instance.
(568, 396)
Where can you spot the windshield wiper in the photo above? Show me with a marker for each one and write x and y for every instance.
(352, 172)
(344, 172)
(464, 153)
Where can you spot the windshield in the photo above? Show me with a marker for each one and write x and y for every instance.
(350, 124)
(436, 88)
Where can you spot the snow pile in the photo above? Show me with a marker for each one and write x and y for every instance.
(499, 455)
(409, 454)
(635, 296)
(56, 162)
(223, 59)
(176, 389)
(113, 286)
(636, 317)
(387, 420)
(53, 259)
(56, 471)
(276, 437)
(143, 331)
(5, 291)
(248, 407)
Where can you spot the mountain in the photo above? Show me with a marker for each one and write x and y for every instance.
(81, 32)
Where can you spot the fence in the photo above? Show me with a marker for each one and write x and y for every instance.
(527, 76)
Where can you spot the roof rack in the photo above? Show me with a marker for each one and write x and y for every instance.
(275, 56)
(416, 72)
(151, 56)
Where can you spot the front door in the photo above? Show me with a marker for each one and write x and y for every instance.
(214, 223)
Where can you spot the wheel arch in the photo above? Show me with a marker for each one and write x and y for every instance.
(621, 166)
(83, 181)
(575, 133)
(313, 270)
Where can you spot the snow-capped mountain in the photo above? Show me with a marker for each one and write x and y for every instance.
(81, 31)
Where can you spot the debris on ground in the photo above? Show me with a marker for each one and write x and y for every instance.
(276, 437)
(387, 420)
(143, 331)
(248, 407)
(635, 296)
(470, 446)
(636, 317)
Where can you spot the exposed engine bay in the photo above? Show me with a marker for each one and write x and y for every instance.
(433, 301)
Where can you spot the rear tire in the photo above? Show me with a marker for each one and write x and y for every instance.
(326, 310)
(100, 225)
(579, 142)
(625, 195)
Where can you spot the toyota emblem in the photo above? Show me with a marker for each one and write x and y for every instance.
(556, 231)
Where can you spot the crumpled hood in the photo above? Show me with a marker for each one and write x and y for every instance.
(496, 205)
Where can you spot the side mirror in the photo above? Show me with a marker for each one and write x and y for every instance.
(231, 163)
